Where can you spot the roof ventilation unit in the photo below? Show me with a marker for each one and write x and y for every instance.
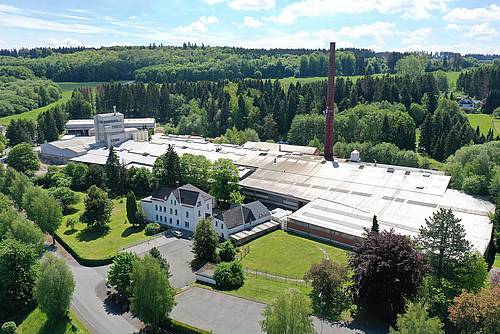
(390, 170)
(355, 156)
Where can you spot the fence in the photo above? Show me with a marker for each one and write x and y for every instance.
(243, 251)
(297, 280)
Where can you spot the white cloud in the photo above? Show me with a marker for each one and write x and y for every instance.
(417, 37)
(132, 17)
(11, 20)
(68, 42)
(144, 14)
(481, 31)
(453, 27)
(252, 22)
(121, 43)
(198, 26)
(490, 13)
(8, 9)
(311, 8)
(376, 30)
(252, 4)
(302, 39)
(245, 4)
(76, 17)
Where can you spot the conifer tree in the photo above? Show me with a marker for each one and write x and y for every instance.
(113, 171)
(131, 208)
(375, 226)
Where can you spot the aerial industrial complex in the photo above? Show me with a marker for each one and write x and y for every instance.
(330, 199)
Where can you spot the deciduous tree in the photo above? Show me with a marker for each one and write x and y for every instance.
(119, 273)
(98, 208)
(23, 159)
(205, 241)
(416, 319)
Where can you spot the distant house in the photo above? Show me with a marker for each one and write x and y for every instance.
(181, 207)
(241, 217)
(469, 104)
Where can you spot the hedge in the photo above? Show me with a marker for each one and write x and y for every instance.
(182, 328)
(83, 261)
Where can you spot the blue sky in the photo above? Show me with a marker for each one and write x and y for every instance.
(432, 25)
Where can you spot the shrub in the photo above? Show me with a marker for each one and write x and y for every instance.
(9, 327)
(227, 251)
(152, 228)
(229, 275)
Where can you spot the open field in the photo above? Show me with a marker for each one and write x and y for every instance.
(288, 254)
(92, 244)
(485, 123)
(36, 323)
(67, 88)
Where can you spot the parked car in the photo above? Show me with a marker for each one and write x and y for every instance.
(177, 233)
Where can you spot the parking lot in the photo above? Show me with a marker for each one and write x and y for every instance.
(178, 254)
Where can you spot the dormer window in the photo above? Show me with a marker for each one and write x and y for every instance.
(199, 203)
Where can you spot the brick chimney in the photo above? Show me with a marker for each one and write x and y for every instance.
(330, 100)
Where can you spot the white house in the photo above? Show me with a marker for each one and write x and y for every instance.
(239, 218)
(181, 207)
(468, 104)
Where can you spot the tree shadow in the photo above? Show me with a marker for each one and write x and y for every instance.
(70, 232)
(131, 230)
(57, 326)
(114, 305)
(197, 264)
(70, 211)
(92, 233)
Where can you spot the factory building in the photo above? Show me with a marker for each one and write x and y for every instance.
(86, 127)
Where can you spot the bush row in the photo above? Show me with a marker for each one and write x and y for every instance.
(81, 260)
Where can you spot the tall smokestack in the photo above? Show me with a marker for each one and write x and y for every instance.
(330, 100)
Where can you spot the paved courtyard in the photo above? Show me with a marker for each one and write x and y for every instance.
(178, 254)
(225, 314)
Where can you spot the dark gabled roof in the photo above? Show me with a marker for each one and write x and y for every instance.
(186, 194)
(241, 214)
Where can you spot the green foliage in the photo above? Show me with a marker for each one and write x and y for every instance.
(205, 241)
(227, 251)
(15, 226)
(195, 170)
(195, 121)
(378, 261)
(119, 273)
(375, 225)
(155, 253)
(140, 180)
(385, 153)
(238, 137)
(474, 169)
(181, 328)
(416, 320)
(21, 131)
(417, 112)
(152, 228)
(98, 208)
(78, 174)
(9, 327)
(411, 65)
(43, 209)
(305, 128)
(54, 287)
(166, 169)
(289, 313)
(229, 275)
(71, 222)
(153, 297)
(225, 177)
(113, 171)
(78, 107)
(17, 276)
(131, 208)
(23, 159)
(330, 295)
(65, 196)
(477, 313)
(236, 198)
(443, 241)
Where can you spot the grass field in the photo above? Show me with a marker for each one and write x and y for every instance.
(497, 260)
(485, 123)
(287, 254)
(67, 88)
(36, 323)
(91, 244)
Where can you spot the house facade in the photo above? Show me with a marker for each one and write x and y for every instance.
(469, 104)
(181, 207)
(239, 218)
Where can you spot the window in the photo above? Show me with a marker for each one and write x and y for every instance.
(156, 217)
(199, 203)
(208, 206)
(156, 207)
(170, 221)
(199, 213)
(176, 212)
(175, 202)
(187, 214)
(216, 223)
(186, 224)
(170, 210)
(161, 218)
(177, 222)
(164, 209)
(171, 202)
(221, 225)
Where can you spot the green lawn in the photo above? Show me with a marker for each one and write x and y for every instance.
(452, 78)
(287, 254)
(497, 260)
(91, 244)
(36, 323)
(485, 123)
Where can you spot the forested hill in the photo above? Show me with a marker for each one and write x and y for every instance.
(191, 63)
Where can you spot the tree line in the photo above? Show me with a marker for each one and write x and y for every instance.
(191, 62)
(483, 83)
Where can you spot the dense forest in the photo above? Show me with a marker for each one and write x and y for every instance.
(483, 83)
(21, 91)
(191, 62)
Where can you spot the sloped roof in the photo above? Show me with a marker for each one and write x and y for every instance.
(186, 194)
(241, 214)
